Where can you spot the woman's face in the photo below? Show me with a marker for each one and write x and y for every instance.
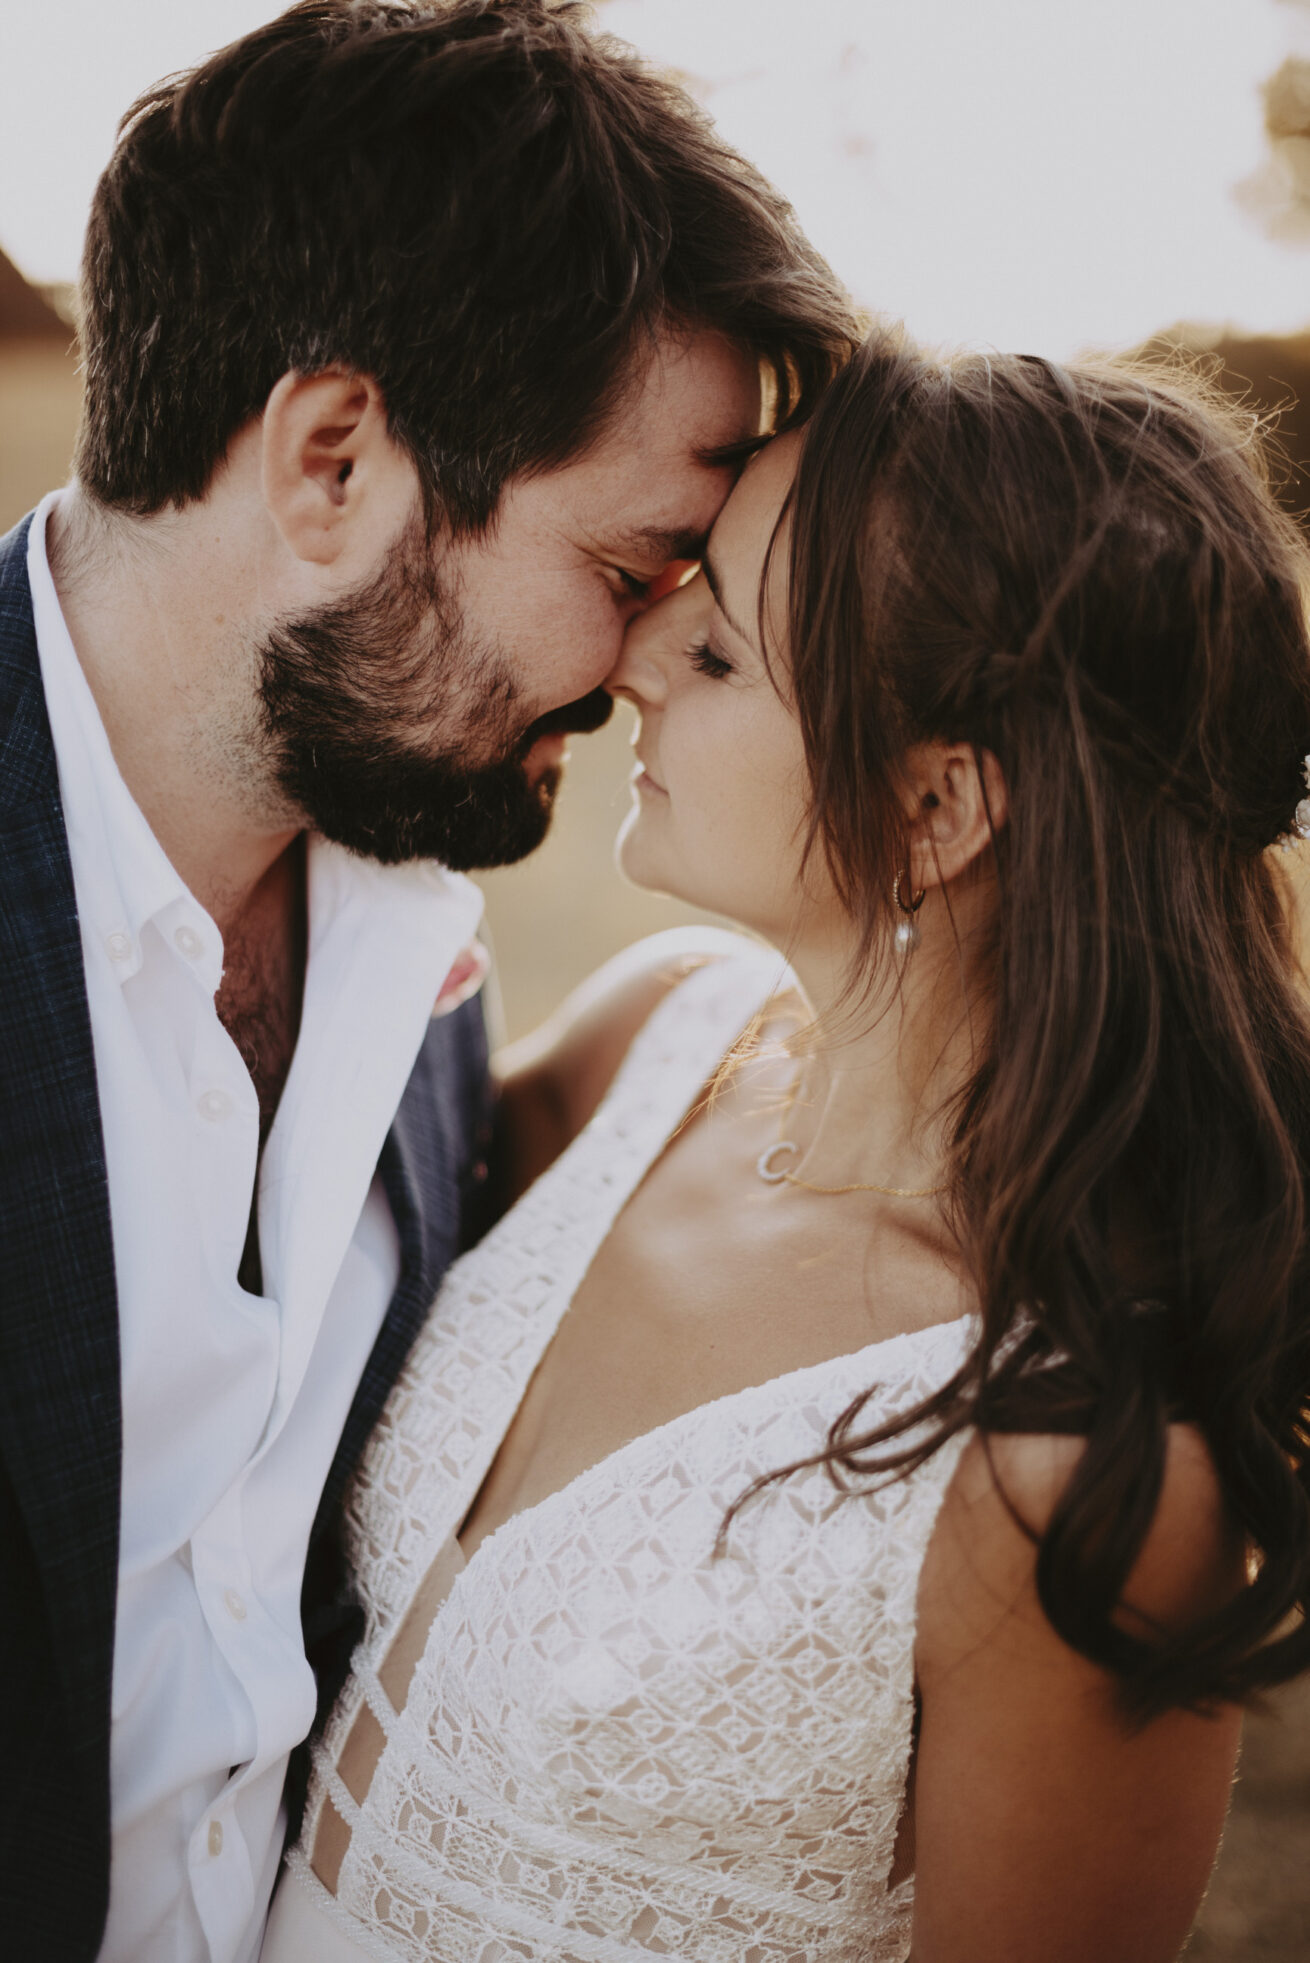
(721, 797)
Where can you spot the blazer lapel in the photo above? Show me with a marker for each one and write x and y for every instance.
(60, 1413)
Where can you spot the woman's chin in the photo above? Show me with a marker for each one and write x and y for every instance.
(632, 854)
(642, 862)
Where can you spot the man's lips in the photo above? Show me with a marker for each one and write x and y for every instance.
(592, 712)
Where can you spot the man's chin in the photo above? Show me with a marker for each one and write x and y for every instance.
(485, 850)
(495, 822)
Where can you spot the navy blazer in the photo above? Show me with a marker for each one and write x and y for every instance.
(60, 1410)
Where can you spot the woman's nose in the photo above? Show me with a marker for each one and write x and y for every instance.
(637, 674)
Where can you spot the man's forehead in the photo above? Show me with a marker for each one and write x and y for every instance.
(696, 397)
(654, 481)
(656, 515)
(648, 475)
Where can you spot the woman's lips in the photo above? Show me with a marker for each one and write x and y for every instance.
(643, 782)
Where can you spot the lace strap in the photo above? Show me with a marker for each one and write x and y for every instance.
(567, 1214)
(693, 1028)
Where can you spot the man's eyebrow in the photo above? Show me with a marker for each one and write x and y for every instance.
(731, 456)
(715, 584)
(655, 542)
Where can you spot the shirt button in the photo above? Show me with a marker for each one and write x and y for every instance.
(214, 1105)
(215, 1842)
(119, 946)
(189, 943)
(236, 1608)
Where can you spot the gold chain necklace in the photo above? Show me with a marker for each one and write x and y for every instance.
(775, 1176)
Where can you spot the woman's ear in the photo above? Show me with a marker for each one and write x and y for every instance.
(336, 486)
(957, 801)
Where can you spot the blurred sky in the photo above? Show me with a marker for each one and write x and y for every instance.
(1037, 173)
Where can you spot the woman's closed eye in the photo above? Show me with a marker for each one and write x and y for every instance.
(707, 662)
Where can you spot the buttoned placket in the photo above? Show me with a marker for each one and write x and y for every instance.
(226, 1116)
(255, 1649)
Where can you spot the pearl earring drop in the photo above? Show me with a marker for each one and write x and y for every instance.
(907, 930)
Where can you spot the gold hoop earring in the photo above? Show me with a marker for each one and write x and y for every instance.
(907, 930)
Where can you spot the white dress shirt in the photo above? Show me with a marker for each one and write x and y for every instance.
(232, 1403)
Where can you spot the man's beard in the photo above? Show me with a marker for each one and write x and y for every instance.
(342, 690)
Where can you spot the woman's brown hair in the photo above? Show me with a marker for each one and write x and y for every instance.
(1084, 572)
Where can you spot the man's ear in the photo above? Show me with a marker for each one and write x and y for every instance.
(336, 486)
(958, 801)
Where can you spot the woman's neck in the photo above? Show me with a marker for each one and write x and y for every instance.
(878, 1070)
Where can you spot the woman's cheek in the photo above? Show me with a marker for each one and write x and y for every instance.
(728, 765)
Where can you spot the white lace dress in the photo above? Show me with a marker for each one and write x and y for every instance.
(616, 1745)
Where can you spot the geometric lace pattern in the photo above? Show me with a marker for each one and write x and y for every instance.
(616, 1744)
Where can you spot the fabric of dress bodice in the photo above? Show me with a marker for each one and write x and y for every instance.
(618, 1742)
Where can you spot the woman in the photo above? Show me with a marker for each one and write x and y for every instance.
(839, 1510)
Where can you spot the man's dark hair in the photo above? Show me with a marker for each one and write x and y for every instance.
(481, 204)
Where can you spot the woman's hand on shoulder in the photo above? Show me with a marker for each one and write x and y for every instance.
(1046, 1829)
(552, 1081)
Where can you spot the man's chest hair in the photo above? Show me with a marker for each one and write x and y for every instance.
(259, 1003)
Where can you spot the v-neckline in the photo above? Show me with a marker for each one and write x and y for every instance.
(605, 1465)
(741, 983)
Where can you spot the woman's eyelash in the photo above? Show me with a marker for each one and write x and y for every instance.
(708, 662)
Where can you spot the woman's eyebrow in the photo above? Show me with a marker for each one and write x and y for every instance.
(715, 584)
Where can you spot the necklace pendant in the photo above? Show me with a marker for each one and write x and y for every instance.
(764, 1164)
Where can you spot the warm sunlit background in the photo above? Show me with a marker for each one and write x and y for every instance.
(1022, 173)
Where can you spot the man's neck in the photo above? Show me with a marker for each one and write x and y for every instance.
(155, 618)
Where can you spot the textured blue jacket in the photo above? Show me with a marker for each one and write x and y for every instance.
(60, 1412)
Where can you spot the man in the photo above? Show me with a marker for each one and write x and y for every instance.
(419, 339)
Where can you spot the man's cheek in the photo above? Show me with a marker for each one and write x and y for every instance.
(585, 648)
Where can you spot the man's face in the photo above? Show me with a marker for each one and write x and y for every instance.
(425, 715)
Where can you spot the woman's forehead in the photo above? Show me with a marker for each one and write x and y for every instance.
(746, 525)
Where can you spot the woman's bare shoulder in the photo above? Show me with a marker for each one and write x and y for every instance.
(981, 1569)
(552, 1080)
